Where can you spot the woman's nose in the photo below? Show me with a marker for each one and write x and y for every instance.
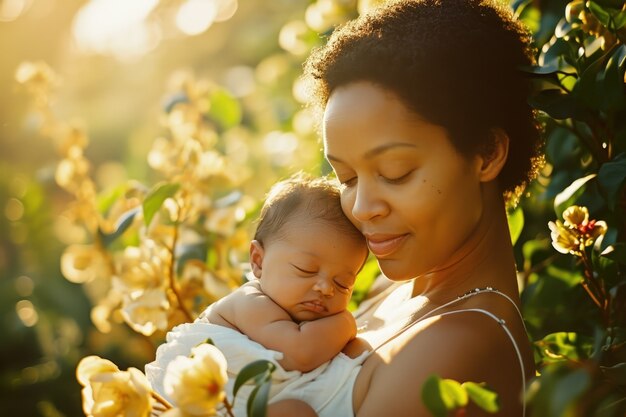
(324, 287)
(367, 203)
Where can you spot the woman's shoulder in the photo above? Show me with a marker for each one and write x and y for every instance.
(465, 345)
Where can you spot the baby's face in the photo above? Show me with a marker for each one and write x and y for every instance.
(311, 271)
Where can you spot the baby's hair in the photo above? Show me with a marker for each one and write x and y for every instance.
(303, 197)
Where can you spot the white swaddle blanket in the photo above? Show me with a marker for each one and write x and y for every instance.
(327, 388)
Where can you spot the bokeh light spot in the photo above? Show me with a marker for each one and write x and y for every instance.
(24, 286)
(14, 209)
(27, 313)
(196, 16)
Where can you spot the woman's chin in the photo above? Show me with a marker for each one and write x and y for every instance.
(395, 271)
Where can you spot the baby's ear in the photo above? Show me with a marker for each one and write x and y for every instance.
(256, 257)
(494, 156)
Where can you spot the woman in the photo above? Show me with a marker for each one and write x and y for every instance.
(426, 125)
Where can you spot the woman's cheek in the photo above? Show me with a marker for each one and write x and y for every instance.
(347, 203)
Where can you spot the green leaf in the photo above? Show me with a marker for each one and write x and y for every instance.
(225, 109)
(106, 199)
(556, 103)
(619, 20)
(611, 177)
(531, 247)
(154, 200)
(568, 388)
(257, 402)
(563, 346)
(614, 80)
(616, 252)
(443, 395)
(568, 196)
(617, 372)
(588, 92)
(516, 223)
(599, 12)
(616, 4)
(252, 371)
(482, 396)
(608, 14)
(123, 223)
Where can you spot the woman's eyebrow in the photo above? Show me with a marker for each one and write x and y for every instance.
(377, 150)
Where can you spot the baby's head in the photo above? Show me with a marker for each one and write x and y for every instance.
(306, 253)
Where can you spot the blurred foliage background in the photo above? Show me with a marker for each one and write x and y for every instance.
(99, 104)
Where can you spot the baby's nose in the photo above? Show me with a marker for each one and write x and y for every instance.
(324, 287)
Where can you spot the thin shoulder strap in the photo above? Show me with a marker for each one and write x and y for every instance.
(469, 294)
(508, 332)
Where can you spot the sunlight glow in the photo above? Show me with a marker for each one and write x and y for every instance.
(281, 147)
(12, 9)
(226, 9)
(116, 27)
(196, 16)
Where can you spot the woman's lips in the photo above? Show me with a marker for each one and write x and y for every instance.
(384, 245)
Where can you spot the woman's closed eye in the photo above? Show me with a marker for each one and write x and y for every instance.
(397, 180)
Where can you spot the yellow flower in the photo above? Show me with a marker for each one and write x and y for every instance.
(147, 311)
(196, 383)
(35, 74)
(575, 216)
(72, 171)
(82, 263)
(141, 268)
(93, 365)
(109, 392)
(576, 232)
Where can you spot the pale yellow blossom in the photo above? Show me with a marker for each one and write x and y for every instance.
(109, 392)
(143, 267)
(196, 383)
(147, 311)
(72, 172)
(83, 263)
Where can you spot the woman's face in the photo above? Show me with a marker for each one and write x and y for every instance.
(406, 187)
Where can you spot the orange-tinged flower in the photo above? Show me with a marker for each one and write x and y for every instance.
(196, 383)
(576, 232)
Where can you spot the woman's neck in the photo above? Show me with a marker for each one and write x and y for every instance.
(484, 259)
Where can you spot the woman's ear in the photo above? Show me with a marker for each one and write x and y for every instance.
(256, 257)
(494, 156)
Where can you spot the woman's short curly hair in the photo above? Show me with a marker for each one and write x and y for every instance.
(454, 62)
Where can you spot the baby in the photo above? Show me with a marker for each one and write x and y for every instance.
(305, 256)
